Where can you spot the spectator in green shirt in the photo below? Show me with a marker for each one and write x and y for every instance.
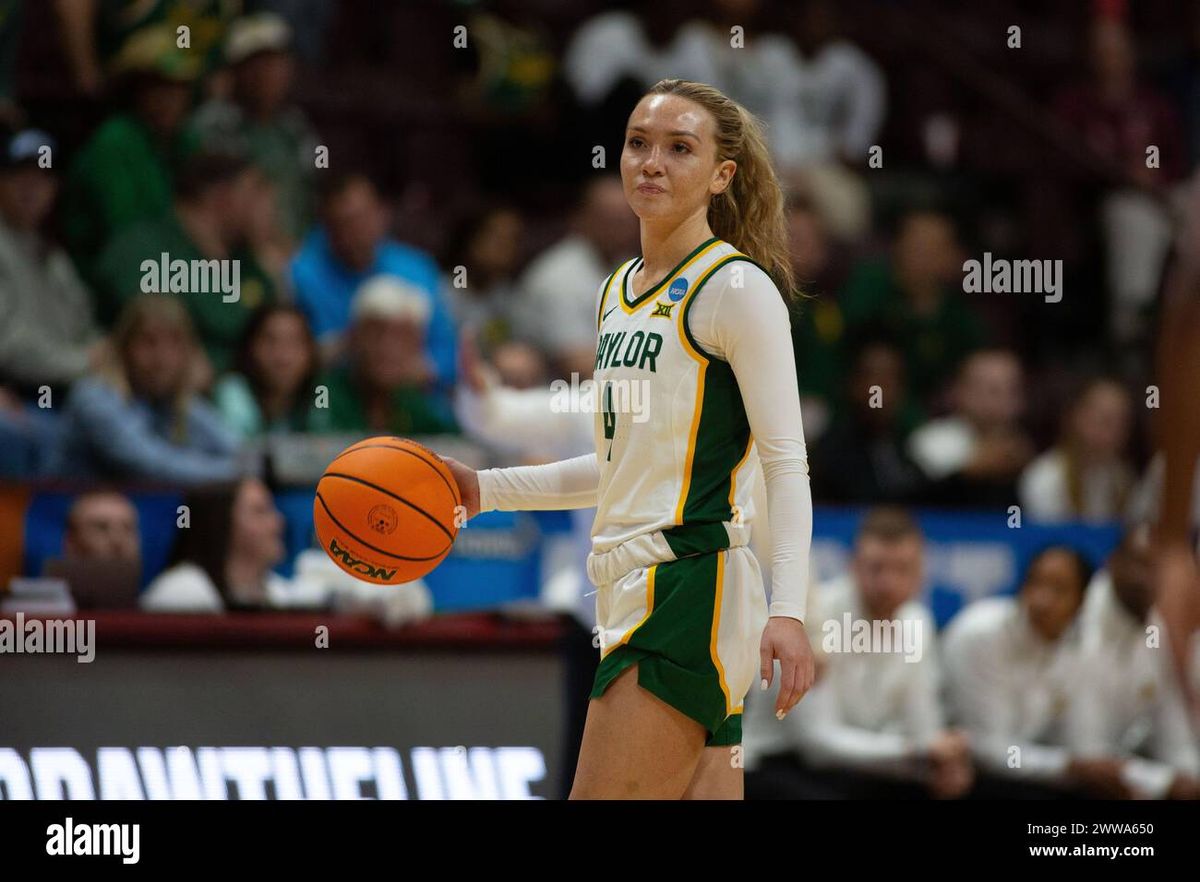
(385, 385)
(261, 121)
(821, 265)
(917, 297)
(124, 173)
(215, 202)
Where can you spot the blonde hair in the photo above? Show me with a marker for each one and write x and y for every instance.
(749, 213)
(114, 370)
(1073, 460)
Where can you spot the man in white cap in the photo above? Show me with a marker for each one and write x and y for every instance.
(261, 121)
(384, 385)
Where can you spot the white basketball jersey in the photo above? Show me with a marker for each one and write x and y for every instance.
(672, 438)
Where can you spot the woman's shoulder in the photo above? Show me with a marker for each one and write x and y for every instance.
(737, 281)
(735, 299)
(735, 263)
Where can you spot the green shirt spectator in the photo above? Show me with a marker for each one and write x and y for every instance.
(351, 408)
(205, 232)
(916, 296)
(935, 339)
(219, 324)
(385, 384)
(121, 176)
(818, 328)
(126, 171)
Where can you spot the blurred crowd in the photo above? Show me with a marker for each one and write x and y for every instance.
(416, 216)
(352, 296)
(1055, 692)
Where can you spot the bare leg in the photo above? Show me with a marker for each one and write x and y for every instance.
(636, 746)
(1178, 578)
(718, 776)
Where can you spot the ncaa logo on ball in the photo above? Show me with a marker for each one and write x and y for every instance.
(382, 519)
(677, 290)
(357, 565)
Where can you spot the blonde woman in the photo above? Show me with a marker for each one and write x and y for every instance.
(1087, 475)
(696, 386)
(139, 417)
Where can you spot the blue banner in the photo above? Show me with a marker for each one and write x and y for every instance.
(497, 558)
(968, 555)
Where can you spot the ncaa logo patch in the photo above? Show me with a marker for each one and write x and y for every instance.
(677, 290)
(382, 519)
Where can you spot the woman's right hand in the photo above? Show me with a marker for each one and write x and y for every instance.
(468, 485)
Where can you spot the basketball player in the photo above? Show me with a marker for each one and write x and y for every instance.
(696, 386)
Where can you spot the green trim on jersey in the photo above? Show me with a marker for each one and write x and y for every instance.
(688, 305)
(638, 301)
(604, 297)
(724, 430)
(721, 440)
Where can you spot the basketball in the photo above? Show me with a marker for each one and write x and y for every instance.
(385, 510)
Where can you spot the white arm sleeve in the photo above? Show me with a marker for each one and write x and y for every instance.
(566, 484)
(569, 483)
(749, 326)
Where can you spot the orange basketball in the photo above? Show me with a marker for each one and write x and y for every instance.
(385, 510)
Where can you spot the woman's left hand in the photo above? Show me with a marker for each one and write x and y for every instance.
(785, 638)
